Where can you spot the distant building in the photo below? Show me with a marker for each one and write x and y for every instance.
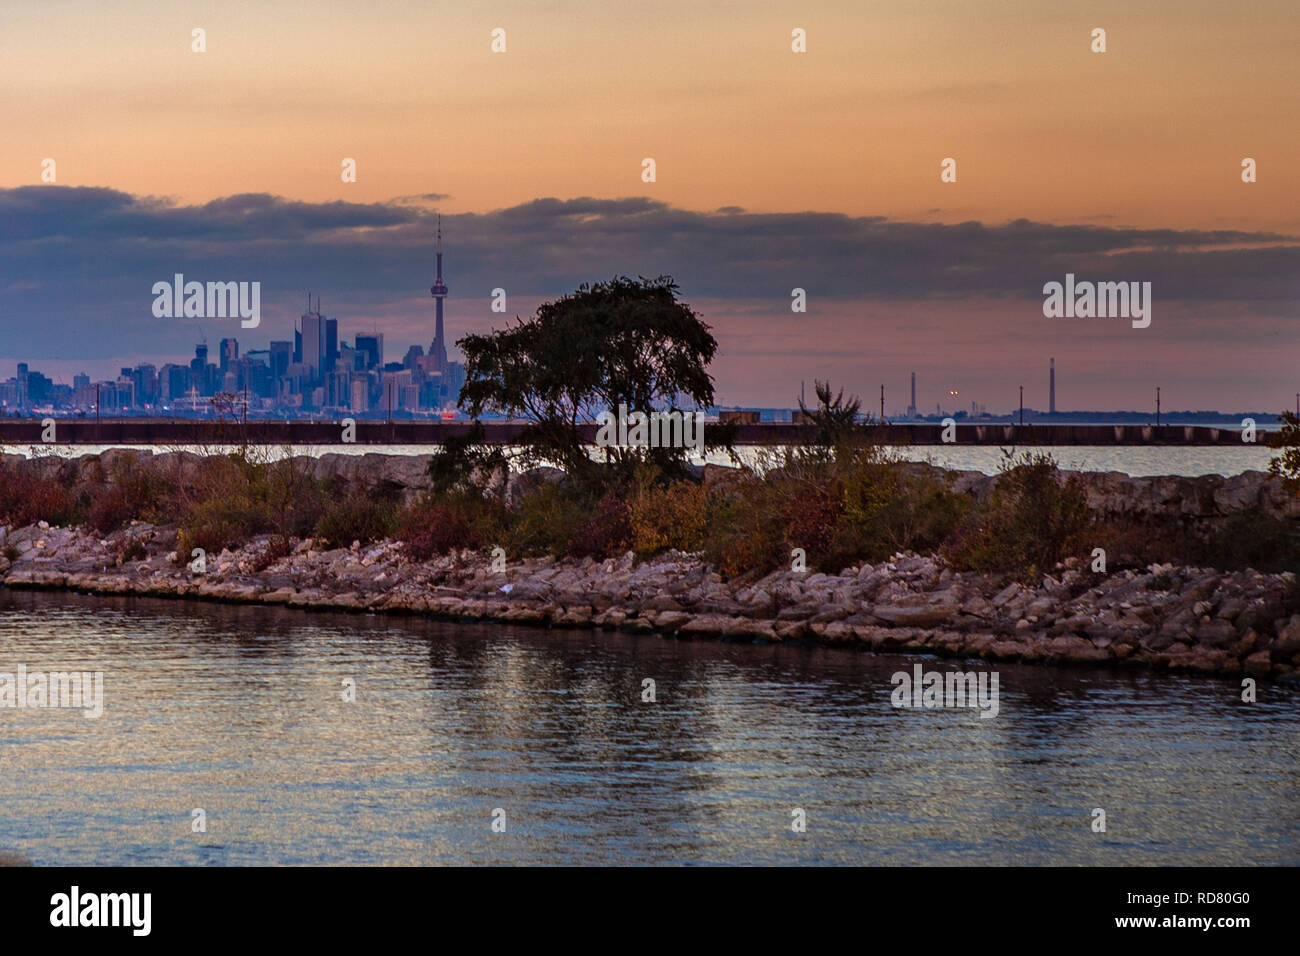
(281, 358)
(228, 354)
(373, 346)
(314, 339)
(145, 379)
(331, 342)
(173, 382)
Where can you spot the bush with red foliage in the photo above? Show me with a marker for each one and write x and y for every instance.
(430, 530)
(26, 499)
(607, 532)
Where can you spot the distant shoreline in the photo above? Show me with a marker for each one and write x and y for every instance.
(143, 431)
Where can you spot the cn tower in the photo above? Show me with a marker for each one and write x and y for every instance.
(439, 292)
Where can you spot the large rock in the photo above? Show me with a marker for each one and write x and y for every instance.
(1287, 643)
(924, 616)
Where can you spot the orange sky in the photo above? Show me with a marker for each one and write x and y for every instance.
(1150, 133)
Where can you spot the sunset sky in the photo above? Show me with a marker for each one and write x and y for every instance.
(774, 170)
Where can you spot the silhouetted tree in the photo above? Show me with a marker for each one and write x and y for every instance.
(625, 341)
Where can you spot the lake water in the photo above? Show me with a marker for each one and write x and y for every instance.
(238, 711)
(1136, 460)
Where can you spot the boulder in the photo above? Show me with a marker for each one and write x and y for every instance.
(924, 616)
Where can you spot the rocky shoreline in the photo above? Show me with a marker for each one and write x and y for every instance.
(1161, 617)
(1201, 500)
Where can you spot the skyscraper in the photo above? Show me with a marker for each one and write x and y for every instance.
(331, 343)
(281, 357)
(373, 346)
(438, 350)
(313, 338)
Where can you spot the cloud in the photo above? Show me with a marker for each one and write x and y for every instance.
(421, 199)
(77, 264)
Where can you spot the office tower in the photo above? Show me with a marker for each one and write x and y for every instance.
(174, 381)
(228, 355)
(145, 378)
(125, 389)
(350, 360)
(281, 358)
(373, 346)
(331, 342)
(313, 338)
(359, 396)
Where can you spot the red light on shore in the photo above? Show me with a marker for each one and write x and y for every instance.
(448, 416)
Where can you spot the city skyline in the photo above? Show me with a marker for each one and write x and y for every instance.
(189, 397)
(316, 371)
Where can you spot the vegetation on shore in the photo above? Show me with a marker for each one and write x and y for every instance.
(838, 499)
(841, 503)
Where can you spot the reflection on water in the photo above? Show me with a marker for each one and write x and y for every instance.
(239, 711)
(1136, 460)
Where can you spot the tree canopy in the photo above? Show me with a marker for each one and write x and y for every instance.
(623, 342)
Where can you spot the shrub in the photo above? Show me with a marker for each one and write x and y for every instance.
(125, 492)
(808, 515)
(663, 516)
(26, 499)
(1031, 521)
(888, 510)
(740, 535)
(130, 549)
(1254, 539)
(546, 519)
(841, 504)
(294, 500)
(357, 517)
(233, 497)
(432, 529)
(1137, 543)
(277, 546)
(1286, 464)
(219, 523)
(606, 531)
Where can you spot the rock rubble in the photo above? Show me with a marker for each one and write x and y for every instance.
(1164, 617)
